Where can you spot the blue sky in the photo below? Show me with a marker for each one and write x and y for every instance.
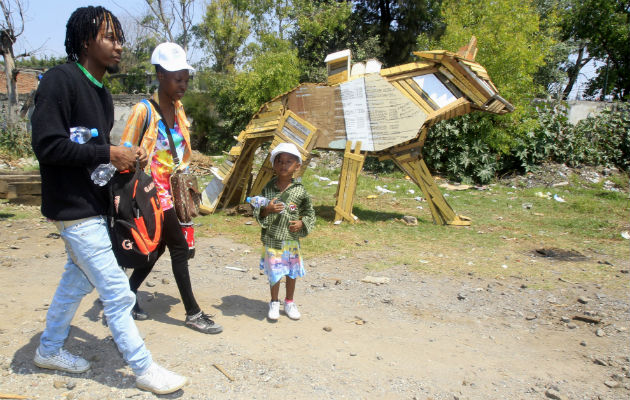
(45, 22)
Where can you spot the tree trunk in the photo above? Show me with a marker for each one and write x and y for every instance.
(6, 48)
(574, 71)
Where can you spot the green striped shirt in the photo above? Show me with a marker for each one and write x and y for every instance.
(297, 205)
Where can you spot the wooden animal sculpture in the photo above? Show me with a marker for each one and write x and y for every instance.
(362, 109)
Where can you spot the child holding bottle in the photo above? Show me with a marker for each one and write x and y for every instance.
(287, 217)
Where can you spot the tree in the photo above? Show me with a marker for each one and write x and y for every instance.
(397, 23)
(223, 32)
(603, 26)
(321, 28)
(11, 27)
(170, 20)
(512, 49)
(270, 16)
(511, 46)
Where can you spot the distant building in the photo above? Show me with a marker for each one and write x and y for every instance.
(27, 80)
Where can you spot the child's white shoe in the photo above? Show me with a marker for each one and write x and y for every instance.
(274, 310)
(292, 310)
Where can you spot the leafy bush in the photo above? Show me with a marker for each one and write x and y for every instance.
(372, 164)
(15, 140)
(600, 140)
(467, 149)
(603, 140)
(459, 149)
(541, 143)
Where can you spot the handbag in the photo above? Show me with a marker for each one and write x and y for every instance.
(186, 196)
(184, 187)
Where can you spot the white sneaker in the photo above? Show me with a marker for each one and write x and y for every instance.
(159, 380)
(292, 310)
(62, 361)
(274, 310)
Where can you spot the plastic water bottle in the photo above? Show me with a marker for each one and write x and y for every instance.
(257, 201)
(81, 134)
(260, 201)
(104, 172)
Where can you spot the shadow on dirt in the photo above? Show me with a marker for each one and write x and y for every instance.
(327, 213)
(234, 305)
(560, 254)
(157, 305)
(107, 363)
(81, 343)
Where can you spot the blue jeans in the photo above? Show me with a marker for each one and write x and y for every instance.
(92, 264)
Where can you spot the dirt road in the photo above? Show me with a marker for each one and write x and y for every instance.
(415, 337)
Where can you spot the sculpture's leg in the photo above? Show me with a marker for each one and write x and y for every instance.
(264, 175)
(240, 173)
(417, 170)
(352, 165)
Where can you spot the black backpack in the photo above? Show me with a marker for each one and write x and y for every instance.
(137, 216)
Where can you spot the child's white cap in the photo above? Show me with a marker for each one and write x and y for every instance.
(286, 148)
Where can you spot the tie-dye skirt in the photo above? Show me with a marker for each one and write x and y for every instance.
(286, 261)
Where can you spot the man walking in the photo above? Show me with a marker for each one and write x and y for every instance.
(72, 95)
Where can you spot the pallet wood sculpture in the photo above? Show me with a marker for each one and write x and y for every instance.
(381, 112)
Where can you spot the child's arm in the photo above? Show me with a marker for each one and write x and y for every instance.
(296, 226)
(307, 217)
(273, 207)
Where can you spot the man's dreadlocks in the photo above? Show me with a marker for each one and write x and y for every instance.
(84, 25)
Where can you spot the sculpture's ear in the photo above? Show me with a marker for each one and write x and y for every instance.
(470, 50)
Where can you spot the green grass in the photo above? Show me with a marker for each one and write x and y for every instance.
(10, 211)
(508, 225)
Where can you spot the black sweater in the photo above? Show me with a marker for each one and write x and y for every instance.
(67, 98)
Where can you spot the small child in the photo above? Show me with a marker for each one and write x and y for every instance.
(288, 216)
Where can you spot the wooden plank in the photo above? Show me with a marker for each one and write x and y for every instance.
(436, 55)
(235, 151)
(30, 177)
(15, 189)
(464, 85)
(456, 67)
(470, 50)
(445, 210)
(462, 80)
(412, 75)
(240, 173)
(311, 130)
(412, 95)
(459, 107)
(410, 146)
(275, 106)
(266, 117)
(264, 175)
(262, 125)
(338, 78)
(341, 214)
(355, 160)
(415, 176)
(405, 70)
(477, 68)
(343, 177)
(261, 134)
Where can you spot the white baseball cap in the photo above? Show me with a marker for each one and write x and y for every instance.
(171, 57)
(286, 148)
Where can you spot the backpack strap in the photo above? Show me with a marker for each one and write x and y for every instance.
(147, 120)
(168, 132)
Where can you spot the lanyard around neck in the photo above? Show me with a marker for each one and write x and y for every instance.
(89, 76)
